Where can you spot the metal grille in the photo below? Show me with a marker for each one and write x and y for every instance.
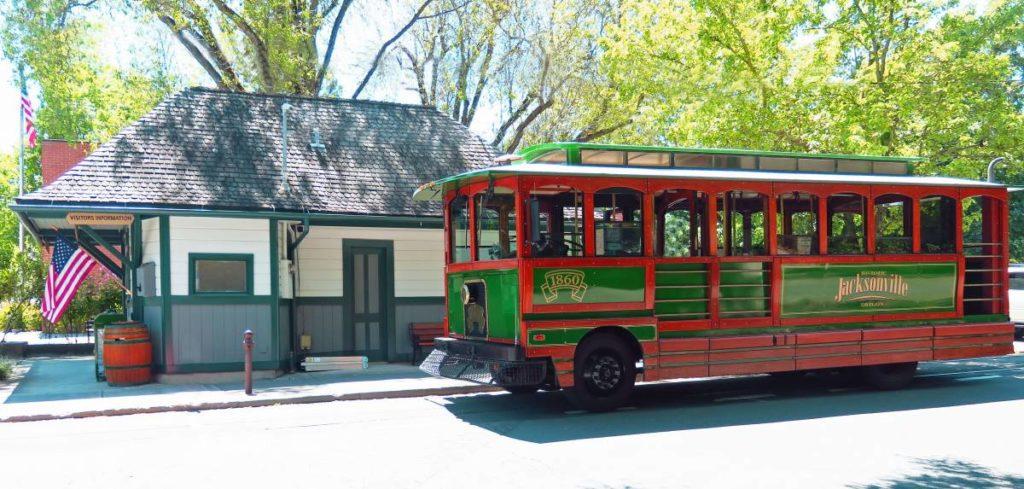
(485, 371)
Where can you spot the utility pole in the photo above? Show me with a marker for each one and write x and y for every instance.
(21, 151)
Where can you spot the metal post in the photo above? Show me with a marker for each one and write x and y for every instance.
(247, 342)
(21, 152)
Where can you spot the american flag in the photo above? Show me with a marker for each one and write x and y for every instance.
(68, 269)
(30, 127)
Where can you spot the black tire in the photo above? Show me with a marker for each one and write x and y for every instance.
(604, 373)
(889, 376)
(521, 390)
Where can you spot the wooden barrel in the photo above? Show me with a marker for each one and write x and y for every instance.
(127, 353)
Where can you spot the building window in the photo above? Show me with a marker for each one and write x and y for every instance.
(797, 224)
(496, 225)
(458, 214)
(681, 223)
(938, 224)
(741, 223)
(220, 273)
(893, 225)
(618, 222)
(846, 221)
(555, 227)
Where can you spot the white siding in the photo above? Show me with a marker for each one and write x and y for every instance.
(419, 260)
(151, 246)
(219, 235)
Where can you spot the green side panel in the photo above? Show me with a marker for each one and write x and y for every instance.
(867, 288)
(744, 290)
(587, 315)
(681, 290)
(502, 301)
(572, 336)
(588, 285)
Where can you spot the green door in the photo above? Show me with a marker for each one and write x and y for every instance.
(366, 277)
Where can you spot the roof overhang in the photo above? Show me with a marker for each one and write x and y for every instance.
(45, 219)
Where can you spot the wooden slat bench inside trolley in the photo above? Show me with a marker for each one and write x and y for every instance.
(423, 334)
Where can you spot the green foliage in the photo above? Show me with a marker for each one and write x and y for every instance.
(95, 296)
(84, 96)
(6, 368)
(905, 77)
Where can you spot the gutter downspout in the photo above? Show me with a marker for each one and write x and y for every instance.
(293, 253)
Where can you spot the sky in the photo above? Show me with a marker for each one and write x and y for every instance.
(363, 31)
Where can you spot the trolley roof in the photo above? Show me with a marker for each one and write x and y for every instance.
(435, 190)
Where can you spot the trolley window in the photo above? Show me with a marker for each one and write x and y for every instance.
(742, 223)
(458, 216)
(618, 222)
(846, 220)
(893, 225)
(555, 227)
(797, 224)
(681, 223)
(495, 225)
(938, 224)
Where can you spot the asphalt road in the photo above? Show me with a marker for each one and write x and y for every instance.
(959, 425)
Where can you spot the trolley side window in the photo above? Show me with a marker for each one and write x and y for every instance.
(458, 215)
(555, 227)
(893, 224)
(742, 223)
(618, 222)
(938, 224)
(495, 225)
(681, 224)
(797, 224)
(846, 222)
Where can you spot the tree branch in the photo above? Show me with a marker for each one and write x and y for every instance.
(330, 45)
(262, 57)
(517, 136)
(194, 50)
(387, 45)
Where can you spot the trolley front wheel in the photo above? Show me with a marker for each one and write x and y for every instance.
(604, 371)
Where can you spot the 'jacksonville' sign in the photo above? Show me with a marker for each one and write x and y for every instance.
(838, 289)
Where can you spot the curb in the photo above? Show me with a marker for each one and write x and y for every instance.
(210, 406)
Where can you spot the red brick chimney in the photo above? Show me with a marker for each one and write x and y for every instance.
(58, 156)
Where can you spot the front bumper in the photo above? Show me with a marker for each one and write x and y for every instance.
(484, 363)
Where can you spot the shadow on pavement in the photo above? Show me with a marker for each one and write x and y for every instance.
(948, 474)
(712, 403)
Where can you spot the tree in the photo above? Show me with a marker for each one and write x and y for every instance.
(83, 96)
(529, 60)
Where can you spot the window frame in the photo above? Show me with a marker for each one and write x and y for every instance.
(866, 201)
(247, 258)
(591, 228)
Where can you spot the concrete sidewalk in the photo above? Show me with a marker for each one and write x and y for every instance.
(58, 388)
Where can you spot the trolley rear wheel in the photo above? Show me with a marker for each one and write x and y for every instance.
(605, 373)
(890, 376)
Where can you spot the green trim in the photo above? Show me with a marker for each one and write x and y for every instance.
(587, 315)
(58, 209)
(275, 292)
(314, 301)
(221, 299)
(165, 288)
(531, 153)
(835, 327)
(106, 245)
(243, 257)
(422, 300)
(572, 336)
(387, 275)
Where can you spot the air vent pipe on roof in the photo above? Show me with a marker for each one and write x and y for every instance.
(992, 168)
(284, 144)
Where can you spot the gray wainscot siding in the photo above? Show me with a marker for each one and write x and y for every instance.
(152, 317)
(211, 335)
(413, 310)
(322, 318)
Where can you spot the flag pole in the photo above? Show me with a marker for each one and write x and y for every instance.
(21, 152)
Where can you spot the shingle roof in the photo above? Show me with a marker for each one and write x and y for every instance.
(221, 150)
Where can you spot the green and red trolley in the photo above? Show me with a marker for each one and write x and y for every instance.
(585, 267)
